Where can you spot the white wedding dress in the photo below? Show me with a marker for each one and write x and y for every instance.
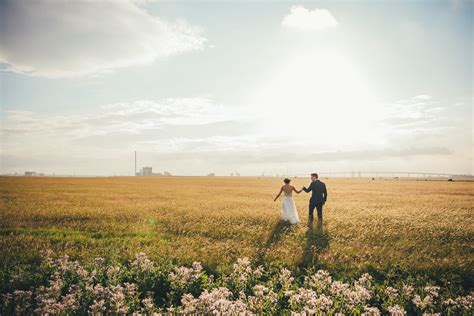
(288, 210)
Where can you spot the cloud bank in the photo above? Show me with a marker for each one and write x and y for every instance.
(197, 135)
(74, 38)
(303, 19)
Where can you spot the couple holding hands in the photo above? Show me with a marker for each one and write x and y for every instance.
(319, 196)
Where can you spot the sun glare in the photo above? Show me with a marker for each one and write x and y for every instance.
(323, 91)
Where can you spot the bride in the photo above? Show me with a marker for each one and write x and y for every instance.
(288, 207)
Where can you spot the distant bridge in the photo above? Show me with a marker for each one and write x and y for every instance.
(392, 174)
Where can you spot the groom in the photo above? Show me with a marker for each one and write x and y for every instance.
(318, 197)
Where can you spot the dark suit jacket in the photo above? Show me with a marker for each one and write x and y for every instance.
(319, 193)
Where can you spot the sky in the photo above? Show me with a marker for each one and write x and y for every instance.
(268, 87)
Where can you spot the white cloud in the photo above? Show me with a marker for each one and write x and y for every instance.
(301, 18)
(125, 117)
(422, 97)
(197, 135)
(415, 114)
(72, 38)
(173, 121)
(179, 126)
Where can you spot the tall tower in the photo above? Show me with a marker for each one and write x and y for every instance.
(135, 163)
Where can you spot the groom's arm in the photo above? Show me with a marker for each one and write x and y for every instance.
(309, 188)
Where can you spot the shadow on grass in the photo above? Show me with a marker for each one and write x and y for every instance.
(317, 242)
(277, 233)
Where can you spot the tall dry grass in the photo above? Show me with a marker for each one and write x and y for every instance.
(420, 226)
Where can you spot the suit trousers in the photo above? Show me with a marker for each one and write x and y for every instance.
(319, 208)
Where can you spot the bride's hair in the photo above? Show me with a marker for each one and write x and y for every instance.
(286, 180)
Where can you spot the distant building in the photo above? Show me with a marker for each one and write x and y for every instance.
(33, 174)
(148, 172)
(212, 174)
(145, 172)
(167, 174)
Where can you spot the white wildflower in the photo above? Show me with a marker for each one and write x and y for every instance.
(285, 279)
(319, 281)
(22, 301)
(339, 289)
(98, 307)
(99, 261)
(218, 301)
(365, 281)
(392, 293)
(407, 291)
(310, 302)
(460, 302)
(422, 303)
(142, 262)
(396, 311)
(258, 272)
(432, 290)
(148, 303)
(182, 276)
(370, 311)
(113, 273)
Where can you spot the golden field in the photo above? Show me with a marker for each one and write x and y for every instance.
(368, 224)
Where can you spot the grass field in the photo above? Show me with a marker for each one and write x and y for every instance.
(418, 225)
(414, 238)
